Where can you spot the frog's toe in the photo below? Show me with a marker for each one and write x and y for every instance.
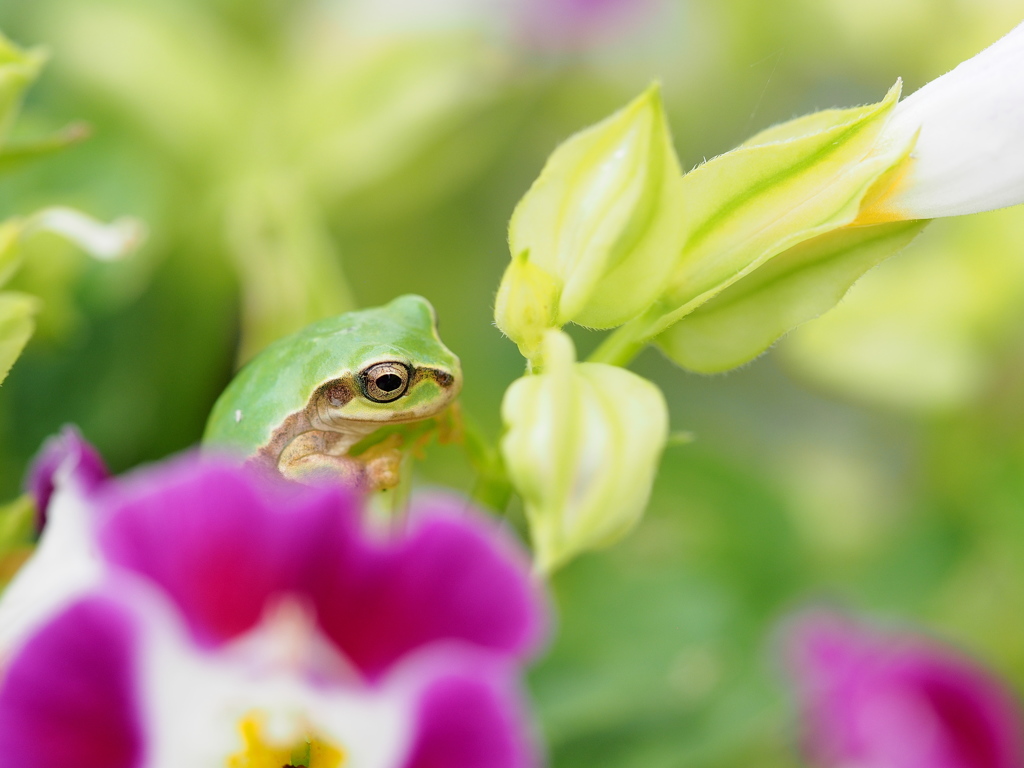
(382, 472)
(315, 469)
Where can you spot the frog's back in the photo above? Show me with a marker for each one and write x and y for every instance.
(279, 381)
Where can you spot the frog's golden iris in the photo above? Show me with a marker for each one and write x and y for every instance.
(385, 382)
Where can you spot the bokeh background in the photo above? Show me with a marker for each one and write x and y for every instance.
(295, 158)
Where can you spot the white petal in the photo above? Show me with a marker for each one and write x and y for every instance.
(969, 156)
(195, 700)
(64, 566)
(105, 242)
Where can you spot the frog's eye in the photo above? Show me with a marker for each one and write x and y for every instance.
(385, 382)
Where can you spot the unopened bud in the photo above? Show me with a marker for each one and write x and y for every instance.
(526, 305)
(582, 447)
(602, 219)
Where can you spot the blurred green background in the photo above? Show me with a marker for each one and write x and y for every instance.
(297, 158)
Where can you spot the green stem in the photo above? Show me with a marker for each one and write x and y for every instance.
(398, 500)
(622, 345)
(494, 492)
(492, 488)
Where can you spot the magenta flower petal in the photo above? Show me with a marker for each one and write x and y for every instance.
(471, 719)
(65, 454)
(309, 596)
(67, 698)
(452, 577)
(881, 701)
(222, 542)
(207, 533)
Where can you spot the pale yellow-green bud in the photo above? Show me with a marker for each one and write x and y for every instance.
(526, 304)
(774, 235)
(582, 446)
(603, 217)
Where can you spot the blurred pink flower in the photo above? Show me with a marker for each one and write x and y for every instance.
(236, 621)
(876, 700)
(559, 24)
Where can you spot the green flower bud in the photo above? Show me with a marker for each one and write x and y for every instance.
(797, 285)
(582, 446)
(770, 240)
(786, 185)
(526, 304)
(774, 236)
(602, 219)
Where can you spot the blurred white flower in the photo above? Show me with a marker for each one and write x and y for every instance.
(969, 155)
(104, 242)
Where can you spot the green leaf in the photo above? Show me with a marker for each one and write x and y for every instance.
(291, 274)
(18, 69)
(17, 533)
(17, 523)
(17, 322)
(10, 252)
(13, 156)
(788, 184)
(745, 319)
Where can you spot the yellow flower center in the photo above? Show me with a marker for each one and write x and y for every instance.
(311, 751)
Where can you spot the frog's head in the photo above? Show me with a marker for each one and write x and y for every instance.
(397, 368)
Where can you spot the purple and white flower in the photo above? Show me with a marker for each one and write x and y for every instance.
(878, 700)
(66, 458)
(229, 620)
(66, 473)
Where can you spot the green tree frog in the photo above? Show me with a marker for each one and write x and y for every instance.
(306, 404)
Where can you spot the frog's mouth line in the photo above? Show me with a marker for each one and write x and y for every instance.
(399, 420)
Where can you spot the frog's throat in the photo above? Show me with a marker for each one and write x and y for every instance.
(300, 434)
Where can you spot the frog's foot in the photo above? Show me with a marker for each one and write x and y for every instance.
(382, 463)
(320, 467)
(450, 425)
(376, 469)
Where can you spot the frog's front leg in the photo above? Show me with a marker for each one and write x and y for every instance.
(318, 455)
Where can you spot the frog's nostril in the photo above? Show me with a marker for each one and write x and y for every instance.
(444, 379)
